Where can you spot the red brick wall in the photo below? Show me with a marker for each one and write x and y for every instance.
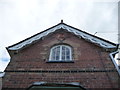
(90, 63)
(86, 79)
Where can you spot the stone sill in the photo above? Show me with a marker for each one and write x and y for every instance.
(60, 62)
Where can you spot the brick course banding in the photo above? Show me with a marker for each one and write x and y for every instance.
(91, 67)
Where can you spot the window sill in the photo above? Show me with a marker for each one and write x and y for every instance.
(60, 62)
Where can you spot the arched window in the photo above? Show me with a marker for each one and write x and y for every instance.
(60, 53)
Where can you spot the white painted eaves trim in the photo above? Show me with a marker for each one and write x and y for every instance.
(2, 74)
(113, 60)
(88, 37)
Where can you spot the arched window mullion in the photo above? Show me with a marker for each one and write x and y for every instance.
(55, 52)
(65, 53)
(60, 53)
(70, 54)
(50, 55)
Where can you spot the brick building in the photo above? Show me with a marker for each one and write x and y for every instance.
(1, 75)
(61, 55)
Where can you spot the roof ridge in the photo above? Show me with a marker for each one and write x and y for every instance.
(87, 36)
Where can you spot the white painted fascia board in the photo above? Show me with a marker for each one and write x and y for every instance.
(88, 37)
(113, 60)
(2, 74)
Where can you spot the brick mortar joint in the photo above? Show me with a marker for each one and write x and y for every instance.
(62, 71)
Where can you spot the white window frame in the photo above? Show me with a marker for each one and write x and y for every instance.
(60, 59)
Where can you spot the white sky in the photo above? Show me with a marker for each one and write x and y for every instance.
(20, 19)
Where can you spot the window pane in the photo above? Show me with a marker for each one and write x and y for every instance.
(63, 57)
(67, 57)
(53, 54)
(67, 52)
(63, 52)
(60, 53)
(57, 57)
(63, 47)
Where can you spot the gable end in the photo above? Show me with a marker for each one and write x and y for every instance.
(86, 36)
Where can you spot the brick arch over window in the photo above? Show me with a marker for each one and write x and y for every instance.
(60, 53)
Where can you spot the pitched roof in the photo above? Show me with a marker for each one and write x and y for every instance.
(89, 37)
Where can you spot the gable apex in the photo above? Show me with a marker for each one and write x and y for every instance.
(86, 36)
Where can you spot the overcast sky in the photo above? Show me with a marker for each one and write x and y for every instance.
(20, 19)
